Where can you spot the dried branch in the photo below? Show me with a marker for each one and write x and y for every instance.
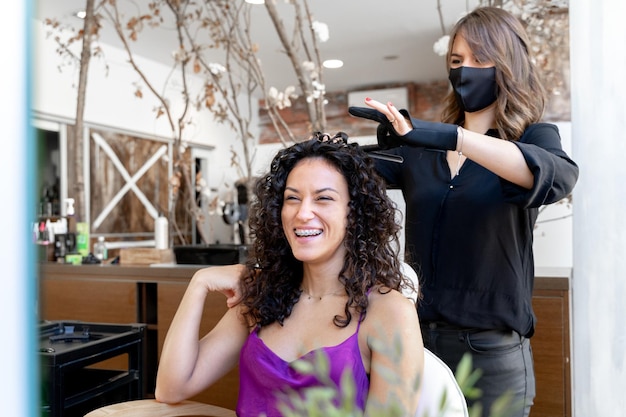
(228, 87)
(316, 112)
(441, 23)
(89, 30)
(177, 128)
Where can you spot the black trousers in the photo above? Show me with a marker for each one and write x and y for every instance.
(504, 357)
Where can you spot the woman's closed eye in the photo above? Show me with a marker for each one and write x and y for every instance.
(325, 198)
(317, 198)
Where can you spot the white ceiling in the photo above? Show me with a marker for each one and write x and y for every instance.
(362, 34)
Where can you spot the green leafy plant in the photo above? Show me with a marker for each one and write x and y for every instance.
(322, 400)
(331, 400)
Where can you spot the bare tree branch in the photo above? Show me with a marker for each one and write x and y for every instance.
(229, 88)
(89, 29)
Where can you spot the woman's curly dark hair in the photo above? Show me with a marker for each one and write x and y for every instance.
(272, 283)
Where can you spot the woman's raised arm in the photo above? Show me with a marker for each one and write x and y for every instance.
(189, 365)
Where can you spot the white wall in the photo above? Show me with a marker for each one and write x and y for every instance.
(598, 60)
(553, 240)
(111, 99)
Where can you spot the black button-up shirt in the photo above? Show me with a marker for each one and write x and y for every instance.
(470, 237)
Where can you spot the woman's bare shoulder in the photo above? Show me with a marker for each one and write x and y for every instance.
(385, 301)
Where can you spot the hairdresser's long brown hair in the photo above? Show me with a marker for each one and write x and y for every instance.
(496, 35)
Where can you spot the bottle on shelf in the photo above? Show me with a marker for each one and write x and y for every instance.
(100, 249)
(161, 232)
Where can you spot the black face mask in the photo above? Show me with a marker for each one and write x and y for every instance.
(475, 88)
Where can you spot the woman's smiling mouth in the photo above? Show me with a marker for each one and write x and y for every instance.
(307, 232)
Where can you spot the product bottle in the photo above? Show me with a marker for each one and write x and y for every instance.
(100, 249)
(161, 233)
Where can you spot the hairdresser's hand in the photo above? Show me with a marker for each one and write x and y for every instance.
(398, 128)
(386, 134)
(225, 279)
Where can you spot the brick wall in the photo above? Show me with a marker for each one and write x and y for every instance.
(425, 102)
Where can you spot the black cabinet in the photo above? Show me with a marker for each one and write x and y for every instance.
(85, 365)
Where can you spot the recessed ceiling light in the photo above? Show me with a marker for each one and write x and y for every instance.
(255, 1)
(333, 63)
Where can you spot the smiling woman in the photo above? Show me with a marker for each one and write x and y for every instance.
(303, 294)
(314, 213)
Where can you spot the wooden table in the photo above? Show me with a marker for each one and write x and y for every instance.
(152, 408)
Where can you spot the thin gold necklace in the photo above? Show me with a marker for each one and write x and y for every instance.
(341, 291)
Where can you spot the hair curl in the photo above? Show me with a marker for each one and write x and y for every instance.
(495, 35)
(272, 284)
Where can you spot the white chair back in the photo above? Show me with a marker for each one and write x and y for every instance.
(439, 381)
(411, 275)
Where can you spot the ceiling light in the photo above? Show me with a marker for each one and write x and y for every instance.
(255, 1)
(333, 63)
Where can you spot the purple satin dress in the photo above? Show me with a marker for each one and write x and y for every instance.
(262, 374)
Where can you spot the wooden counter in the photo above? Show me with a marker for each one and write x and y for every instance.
(151, 294)
(132, 294)
(551, 343)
